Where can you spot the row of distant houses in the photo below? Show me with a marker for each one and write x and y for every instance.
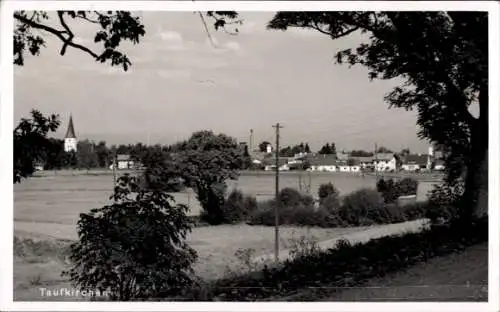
(381, 162)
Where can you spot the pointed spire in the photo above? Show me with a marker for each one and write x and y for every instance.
(70, 134)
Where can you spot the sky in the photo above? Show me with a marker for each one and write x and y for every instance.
(180, 83)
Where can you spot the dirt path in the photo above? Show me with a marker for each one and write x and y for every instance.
(456, 277)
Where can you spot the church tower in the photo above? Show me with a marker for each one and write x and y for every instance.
(70, 138)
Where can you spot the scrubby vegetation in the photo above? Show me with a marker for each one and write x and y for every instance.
(345, 265)
(360, 208)
(392, 190)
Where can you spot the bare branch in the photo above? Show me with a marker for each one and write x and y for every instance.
(57, 33)
(206, 29)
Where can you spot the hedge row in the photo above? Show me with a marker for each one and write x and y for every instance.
(343, 266)
(361, 208)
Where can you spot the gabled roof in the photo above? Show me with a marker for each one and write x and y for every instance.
(364, 159)
(272, 161)
(122, 157)
(415, 159)
(323, 160)
(384, 156)
(70, 133)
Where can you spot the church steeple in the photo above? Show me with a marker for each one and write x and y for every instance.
(70, 133)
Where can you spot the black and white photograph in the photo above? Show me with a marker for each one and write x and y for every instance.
(224, 152)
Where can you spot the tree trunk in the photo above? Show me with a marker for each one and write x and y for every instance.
(475, 199)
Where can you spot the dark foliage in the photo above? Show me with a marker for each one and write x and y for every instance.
(134, 248)
(238, 207)
(362, 207)
(31, 144)
(391, 190)
(346, 265)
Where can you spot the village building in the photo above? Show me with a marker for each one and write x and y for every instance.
(414, 162)
(270, 164)
(124, 161)
(326, 163)
(70, 141)
(385, 162)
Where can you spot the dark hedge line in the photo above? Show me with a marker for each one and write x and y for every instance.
(345, 265)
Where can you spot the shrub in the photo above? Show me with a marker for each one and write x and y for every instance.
(443, 201)
(291, 197)
(134, 248)
(212, 200)
(238, 207)
(362, 207)
(327, 190)
(391, 190)
(331, 203)
(299, 214)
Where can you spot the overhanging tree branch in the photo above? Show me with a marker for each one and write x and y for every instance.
(58, 33)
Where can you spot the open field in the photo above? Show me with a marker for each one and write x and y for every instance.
(47, 209)
(61, 198)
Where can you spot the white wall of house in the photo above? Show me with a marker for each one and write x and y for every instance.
(344, 168)
(355, 168)
(385, 165)
(125, 164)
(328, 168)
(410, 167)
(439, 167)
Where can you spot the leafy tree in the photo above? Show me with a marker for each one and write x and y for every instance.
(307, 149)
(86, 155)
(55, 155)
(442, 58)
(102, 153)
(327, 189)
(207, 163)
(328, 149)
(263, 146)
(115, 27)
(361, 153)
(405, 152)
(137, 245)
(351, 162)
(383, 149)
(333, 149)
(31, 143)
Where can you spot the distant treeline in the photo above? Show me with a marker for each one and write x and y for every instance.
(92, 155)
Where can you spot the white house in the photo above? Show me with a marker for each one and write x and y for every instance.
(414, 162)
(123, 161)
(355, 168)
(385, 162)
(326, 163)
(344, 168)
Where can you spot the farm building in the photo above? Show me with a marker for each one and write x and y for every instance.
(323, 163)
(414, 162)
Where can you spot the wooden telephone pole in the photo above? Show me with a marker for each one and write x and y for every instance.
(276, 216)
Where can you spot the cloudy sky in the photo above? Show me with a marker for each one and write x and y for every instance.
(180, 83)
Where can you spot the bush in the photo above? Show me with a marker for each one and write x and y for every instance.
(299, 214)
(134, 248)
(331, 204)
(327, 190)
(238, 207)
(348, 265)
(290, 197)
(362, 207)
(391, 190)
(212, 200)
(443, 201)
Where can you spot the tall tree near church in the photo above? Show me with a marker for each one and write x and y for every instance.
(442, 61)
(31, 143)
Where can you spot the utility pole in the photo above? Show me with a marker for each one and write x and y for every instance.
(276, 217)
(376, 163)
